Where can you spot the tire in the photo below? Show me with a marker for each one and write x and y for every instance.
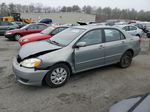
(126, 59)
(148, 35)
(57, 76)
(17, 36)
(138, 35)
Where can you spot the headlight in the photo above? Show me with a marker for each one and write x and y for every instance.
(25, 40)
(8, 33)
(30, 63)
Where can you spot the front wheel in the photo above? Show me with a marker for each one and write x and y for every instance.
(126, 59)
(17, 36)
(58, 75)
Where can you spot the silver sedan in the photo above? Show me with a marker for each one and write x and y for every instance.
(74, 50)
(132, 30)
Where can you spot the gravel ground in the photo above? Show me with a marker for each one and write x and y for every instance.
(92, 91)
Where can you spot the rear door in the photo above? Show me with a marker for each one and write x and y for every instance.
(92, 55)
(115, 45)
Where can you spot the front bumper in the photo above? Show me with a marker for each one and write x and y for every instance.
(28, 76)
(9, 36)
(2, 32)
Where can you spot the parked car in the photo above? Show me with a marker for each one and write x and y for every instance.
(5, 25)
(100, 24)
(28, 29)
(133, 30)
(139, 103)
(74, 50)
(43, 35)
(121, 23)
(70, 24)
(146, 26)
(20, 24)
(140, 26)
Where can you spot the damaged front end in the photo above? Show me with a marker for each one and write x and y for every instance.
(28, 54)
(27, 64)
(19, 59)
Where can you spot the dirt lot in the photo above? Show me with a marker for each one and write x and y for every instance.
(91, 91)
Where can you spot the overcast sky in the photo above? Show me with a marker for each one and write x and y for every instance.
(123, 4)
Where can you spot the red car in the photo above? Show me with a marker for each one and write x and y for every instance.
(28, 29)
(43, 35)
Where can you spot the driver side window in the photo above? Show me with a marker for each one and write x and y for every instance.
(92, 37)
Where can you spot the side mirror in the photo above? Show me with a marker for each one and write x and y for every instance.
(80, 44)
(52, 34)
(26, 29)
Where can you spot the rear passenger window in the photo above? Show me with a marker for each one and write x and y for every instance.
(133, 28)
(113, 35)
(41, 26)
(125, 28)
(31, 27)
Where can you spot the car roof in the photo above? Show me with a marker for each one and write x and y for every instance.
(58, 26)
(125, 25)
(39, 24)
(88, 27)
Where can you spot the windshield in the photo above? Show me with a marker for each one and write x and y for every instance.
(67, 36)
(48, 30)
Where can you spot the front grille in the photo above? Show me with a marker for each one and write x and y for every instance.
(19, 59)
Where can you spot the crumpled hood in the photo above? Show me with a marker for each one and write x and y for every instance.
(37, 48)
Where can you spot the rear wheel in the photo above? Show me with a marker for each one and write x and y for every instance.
(148, 35)
(126, 59)
(138, 35)
(58, 75)
(17, 36)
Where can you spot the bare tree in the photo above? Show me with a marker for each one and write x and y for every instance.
(102, 14)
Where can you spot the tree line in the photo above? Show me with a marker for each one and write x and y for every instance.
(102, 14)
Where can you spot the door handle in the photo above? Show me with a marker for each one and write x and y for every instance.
(123, 42)
(101, 46)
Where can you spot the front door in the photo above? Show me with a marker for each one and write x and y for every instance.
(92, 55)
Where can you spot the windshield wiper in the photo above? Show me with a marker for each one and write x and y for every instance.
(54, 42)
